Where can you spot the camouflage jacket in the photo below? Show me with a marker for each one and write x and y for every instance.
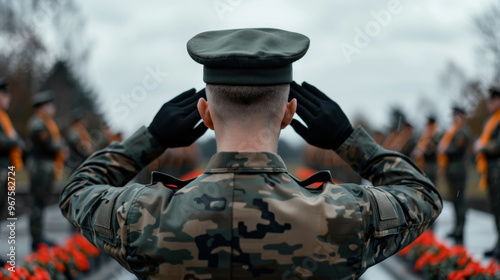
(246, 217)
(42, 145)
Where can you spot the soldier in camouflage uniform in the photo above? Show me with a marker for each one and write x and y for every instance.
(452, 160)
(10, 146)
(246, 217)
(47, 154)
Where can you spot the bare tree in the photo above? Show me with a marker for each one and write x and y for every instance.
(488, 25)
(35, 35)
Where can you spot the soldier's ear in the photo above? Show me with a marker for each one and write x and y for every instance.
(290, 109)
(204, 111)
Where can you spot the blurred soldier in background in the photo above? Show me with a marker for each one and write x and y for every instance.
(48, 157)
(10, 146)
(425, 152)
(79, 140)
(109, 136)
(487, 150)
(400, 139)
(10, 150)
(452, 161)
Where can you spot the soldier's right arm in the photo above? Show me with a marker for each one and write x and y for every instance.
(96, 200)
(402, 203)
(40, 137)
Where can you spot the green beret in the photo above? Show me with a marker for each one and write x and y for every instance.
(252, 56)
(42, 97)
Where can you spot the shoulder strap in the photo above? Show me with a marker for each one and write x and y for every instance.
(318, 177)
(169, 181)
(176, 184)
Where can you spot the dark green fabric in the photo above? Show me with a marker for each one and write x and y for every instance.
(252, 56)
(494, 196)
(457, 190)
(41, 186)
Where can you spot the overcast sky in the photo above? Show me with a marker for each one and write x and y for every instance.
(366, 55)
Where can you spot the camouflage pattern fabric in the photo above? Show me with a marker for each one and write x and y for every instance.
(245, 217)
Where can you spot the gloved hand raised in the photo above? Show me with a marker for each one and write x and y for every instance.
(327, 125)
(173, 125)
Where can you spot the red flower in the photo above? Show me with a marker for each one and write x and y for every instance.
(41, 273)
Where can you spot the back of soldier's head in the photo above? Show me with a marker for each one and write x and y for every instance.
(245, 104)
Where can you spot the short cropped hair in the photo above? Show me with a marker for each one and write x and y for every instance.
(244, 103)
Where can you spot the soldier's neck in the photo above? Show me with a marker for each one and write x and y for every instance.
(237, 139)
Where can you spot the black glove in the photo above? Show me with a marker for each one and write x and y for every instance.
(327, 125)
(173, 125)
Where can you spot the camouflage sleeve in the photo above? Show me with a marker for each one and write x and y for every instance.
(399, 207)
(95, 191)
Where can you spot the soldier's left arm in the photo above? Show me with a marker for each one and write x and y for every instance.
(402, 203)
(95, 199)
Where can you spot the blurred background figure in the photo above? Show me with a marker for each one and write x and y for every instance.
(487, 150)
(452, 160)
(400, 137)
(316, 159)
(110, 136)
(378, 136)
(48, 156)
(79, 140)
(10, 145)
(425, 152)
(182, 163)
(10, 150)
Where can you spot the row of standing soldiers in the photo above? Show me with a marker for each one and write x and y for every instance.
(444, 154)
(49, 152)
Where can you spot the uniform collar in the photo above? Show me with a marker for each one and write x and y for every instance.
(245, 162)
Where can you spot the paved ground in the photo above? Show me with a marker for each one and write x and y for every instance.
(479, 236)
